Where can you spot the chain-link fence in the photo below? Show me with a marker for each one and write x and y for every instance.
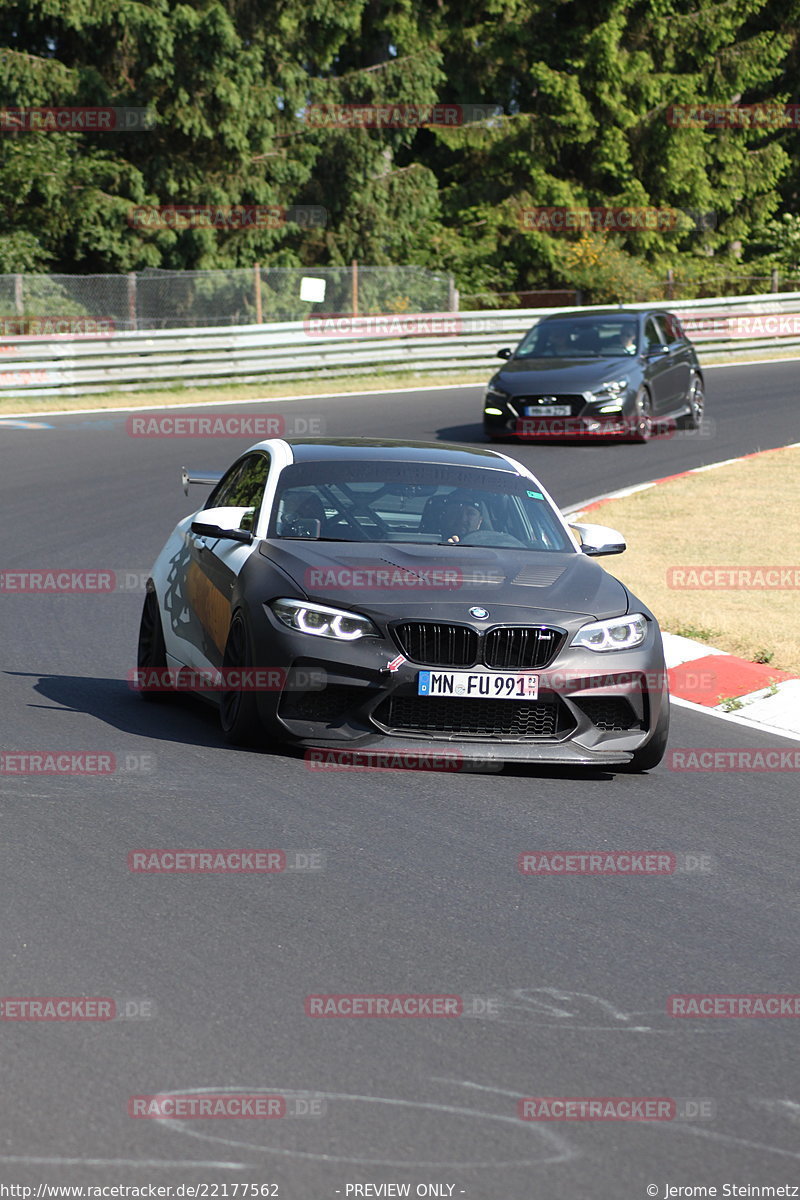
(156, 299)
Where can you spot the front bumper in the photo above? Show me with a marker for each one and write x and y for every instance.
(517, 417)
(591, 709)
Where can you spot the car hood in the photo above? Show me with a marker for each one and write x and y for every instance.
(440, 581)
(560, 374)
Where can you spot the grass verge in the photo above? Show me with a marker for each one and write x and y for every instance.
(733, 516)
(276, 389)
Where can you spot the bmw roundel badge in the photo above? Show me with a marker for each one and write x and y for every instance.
(480, 613)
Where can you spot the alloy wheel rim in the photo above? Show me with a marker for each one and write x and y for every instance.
(234, 654)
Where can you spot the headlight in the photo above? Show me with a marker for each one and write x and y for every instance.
(322, 621)
(496, 393)
(612, 389)
(620, 633)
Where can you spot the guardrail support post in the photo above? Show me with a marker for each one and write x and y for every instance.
(257, 277)
(132, 300)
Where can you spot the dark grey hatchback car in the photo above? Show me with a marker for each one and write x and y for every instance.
(609, 373)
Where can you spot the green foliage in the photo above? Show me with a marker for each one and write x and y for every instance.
(586, 95)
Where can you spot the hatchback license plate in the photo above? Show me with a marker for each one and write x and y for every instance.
(548, 410)
(479, 685)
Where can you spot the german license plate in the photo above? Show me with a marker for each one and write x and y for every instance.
(479, 685)
(548, 410)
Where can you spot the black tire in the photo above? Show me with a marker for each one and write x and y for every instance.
(238, 711)
(642, 417)
(651, 755)
(696, 399)
(151, 651)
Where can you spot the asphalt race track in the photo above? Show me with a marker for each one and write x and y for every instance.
(420, 891)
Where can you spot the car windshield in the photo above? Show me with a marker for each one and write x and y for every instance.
(432, 503)
(600, 337)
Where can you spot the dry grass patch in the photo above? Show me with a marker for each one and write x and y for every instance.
(733, 516)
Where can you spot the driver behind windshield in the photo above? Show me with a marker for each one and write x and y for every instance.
(460, 520)
(558, 342)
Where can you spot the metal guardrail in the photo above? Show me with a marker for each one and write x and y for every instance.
(67, 365)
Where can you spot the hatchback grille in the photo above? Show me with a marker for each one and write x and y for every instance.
(525, 720)
(576, 403)
(510, 647)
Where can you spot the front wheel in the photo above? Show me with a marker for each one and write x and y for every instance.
(642, 417)
(151, 652)
(238, 713)
(696, 400)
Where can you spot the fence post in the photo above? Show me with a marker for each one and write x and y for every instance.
(132, 300)
(354, 274)
(452, 294)
(257, 270)
(18, 303)
(774, 283)
(670, 280)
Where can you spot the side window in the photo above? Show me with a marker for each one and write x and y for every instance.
(652, 334)
(672, 328)
(243, 487)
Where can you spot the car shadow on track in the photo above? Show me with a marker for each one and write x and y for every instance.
(185, 719)
(190, 721)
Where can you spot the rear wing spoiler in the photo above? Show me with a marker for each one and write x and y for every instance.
(209, 478)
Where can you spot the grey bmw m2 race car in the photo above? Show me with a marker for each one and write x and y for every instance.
(369, 596)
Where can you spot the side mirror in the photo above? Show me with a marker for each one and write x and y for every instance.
(597, 540)
(506, 352)
(657, 350)
(215, 531)
(232, 523)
